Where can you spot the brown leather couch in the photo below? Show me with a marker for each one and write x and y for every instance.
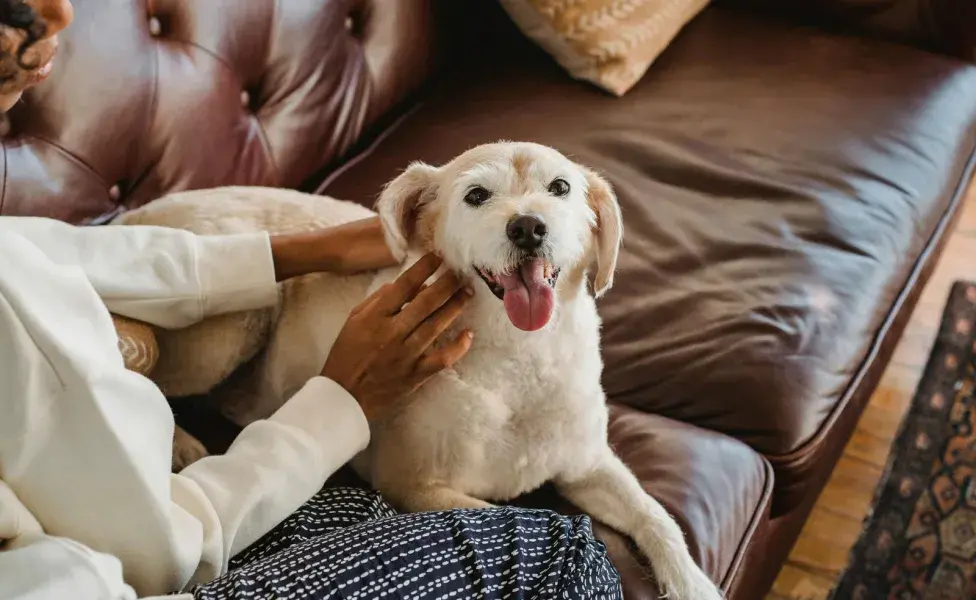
(787, 182)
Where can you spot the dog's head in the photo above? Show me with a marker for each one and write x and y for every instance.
(519, 216)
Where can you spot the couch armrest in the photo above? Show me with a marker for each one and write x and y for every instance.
(945, 26)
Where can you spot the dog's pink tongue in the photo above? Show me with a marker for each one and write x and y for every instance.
(528, 297)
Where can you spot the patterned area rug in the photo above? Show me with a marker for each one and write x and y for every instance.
(919, 543)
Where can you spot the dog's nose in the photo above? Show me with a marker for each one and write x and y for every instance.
(527, 232)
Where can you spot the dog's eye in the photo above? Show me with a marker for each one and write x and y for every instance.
(477, 196)
(559, 187)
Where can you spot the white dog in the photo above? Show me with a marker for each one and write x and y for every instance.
(524, 407)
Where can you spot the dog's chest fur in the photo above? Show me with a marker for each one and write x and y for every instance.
(518, 410)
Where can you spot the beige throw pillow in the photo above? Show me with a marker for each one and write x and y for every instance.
(610, 43)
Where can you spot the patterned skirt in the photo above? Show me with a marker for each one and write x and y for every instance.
(348, 543)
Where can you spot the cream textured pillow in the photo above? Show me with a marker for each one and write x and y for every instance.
(608, 42)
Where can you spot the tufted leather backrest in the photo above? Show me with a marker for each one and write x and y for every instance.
(154, 96)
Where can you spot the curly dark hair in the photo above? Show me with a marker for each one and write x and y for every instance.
(18, 15)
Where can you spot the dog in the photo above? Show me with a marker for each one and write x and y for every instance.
(527, 227)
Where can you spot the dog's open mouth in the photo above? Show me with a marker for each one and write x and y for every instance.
(528, 292)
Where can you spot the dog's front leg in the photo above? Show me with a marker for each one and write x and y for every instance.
(611, 494)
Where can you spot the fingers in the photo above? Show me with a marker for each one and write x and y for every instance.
(445, 357)
(408, 284)
(426, 303)
(370, 300)
(437, 323)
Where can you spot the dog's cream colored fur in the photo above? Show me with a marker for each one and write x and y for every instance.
(520, 409)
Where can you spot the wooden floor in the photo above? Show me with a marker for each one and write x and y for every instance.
(822, 551)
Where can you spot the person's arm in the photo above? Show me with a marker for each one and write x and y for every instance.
(349, 248)
(86, 444)
(173, 278)
(166, 277)
(43, 567)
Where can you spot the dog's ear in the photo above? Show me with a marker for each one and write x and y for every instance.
(400, 203)
(608, 231)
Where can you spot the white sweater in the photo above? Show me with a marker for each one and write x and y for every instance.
(88, 506)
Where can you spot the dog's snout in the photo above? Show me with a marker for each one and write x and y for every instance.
(527, 231)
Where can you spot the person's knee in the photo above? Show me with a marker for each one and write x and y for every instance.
(590, 572)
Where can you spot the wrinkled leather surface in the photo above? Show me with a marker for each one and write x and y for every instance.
(774, 206)
(261, 92)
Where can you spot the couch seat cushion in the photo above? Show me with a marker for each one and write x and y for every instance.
(778, 185)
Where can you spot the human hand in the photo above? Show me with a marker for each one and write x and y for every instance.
(349, 248)
(383, 352)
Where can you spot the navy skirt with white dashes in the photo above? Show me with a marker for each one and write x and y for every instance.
(348, 543)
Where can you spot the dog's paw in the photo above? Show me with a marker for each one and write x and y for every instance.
(690, 583)
(186, 450)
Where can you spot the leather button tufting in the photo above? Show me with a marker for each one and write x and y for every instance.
(114, 193)
(155, 27)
